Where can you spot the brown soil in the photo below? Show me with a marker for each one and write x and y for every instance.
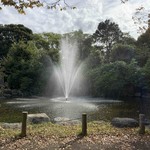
(92, 142)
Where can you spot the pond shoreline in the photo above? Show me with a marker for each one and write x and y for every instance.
(96, 108)
(53, 137)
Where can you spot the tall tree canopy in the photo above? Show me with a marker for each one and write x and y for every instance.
(84, 42)
(122, 52)
(107, 34)
(48, 43)
(10, 34)
(143, 44)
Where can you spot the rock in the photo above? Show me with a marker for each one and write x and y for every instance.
(60, 119)
(98, 122)
(124, 122)
(69, 123)
(11, 125)
(66, 121)
(147, 122)
(38, 118)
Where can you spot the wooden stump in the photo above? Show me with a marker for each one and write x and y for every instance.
(24, 124)
(84, 124)
(141, 124)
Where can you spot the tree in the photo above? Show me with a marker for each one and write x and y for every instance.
(21, 5)
(107, 80)
(127, 40)
(23, 68)
(106, 35)
(143, 51)
(10, 34)
(140, 17)
(143, 40)
(114, 79)
(95, 58)
(84, 42)
(2, 75)
(122, 52)
(146, 71)
(49, 44)
(28, 65)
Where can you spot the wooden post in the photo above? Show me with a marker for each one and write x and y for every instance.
(141, 124)
(24, 123)
(84, 124)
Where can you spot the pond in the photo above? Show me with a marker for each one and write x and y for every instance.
(96, 108)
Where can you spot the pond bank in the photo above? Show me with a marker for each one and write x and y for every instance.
(96, 108)
(50, 136)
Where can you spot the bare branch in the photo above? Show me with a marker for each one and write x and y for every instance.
(21, 5)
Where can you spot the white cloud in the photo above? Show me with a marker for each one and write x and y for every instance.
(86, 17)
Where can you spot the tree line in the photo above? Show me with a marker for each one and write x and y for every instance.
(116, 65)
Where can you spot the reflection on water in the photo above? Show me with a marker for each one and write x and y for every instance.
(96, 108)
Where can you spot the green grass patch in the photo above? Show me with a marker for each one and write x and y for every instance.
(7, 133)
(49, 129)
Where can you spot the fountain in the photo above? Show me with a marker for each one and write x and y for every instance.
(68, 74)
(68, 71)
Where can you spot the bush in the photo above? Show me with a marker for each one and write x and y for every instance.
(114, 79)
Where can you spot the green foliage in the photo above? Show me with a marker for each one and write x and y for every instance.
(143, 51)
(2, 75)
(115, 65)
(28, 64)
(84, 42)
(146, 71)
(95, 58)
(142, 55)
(106, 35)
(27, 58)
(49, 44)
(114, 79)
(128, 40)
(21, 5)
(143, 40)
(10, 34)
(23, 68)
(122, 52)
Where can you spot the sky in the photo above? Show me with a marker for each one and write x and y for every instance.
(87, 15)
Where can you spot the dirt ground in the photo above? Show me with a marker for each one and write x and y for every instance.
(90, 142)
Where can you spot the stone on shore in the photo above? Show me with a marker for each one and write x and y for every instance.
(124, 122)
(66, 121)
(10, 125)
(38, 118)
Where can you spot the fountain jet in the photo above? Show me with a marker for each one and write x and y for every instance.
(68, 71)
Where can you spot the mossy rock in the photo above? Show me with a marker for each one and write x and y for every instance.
(124, 122)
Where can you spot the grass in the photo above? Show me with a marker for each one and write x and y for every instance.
(49, 129)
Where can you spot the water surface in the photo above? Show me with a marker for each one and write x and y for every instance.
(96, 108)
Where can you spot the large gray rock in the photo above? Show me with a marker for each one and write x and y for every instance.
(61, 119)
(124, 122)
(66, 121)
(38, 118)
(11, 125)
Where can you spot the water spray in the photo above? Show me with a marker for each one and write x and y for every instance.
(68, 71)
